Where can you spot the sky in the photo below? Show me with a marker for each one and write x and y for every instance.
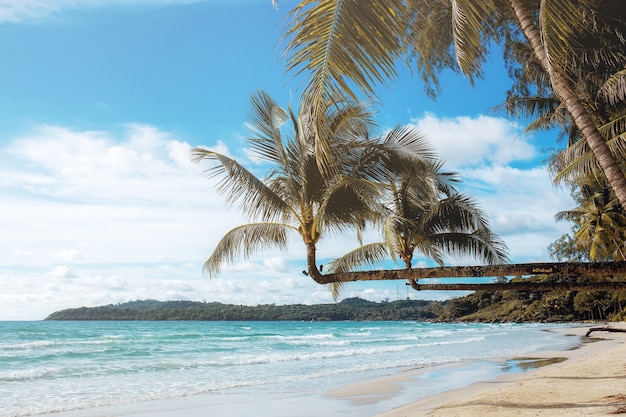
(100, 104)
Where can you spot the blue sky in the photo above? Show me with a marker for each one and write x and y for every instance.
(100, 103)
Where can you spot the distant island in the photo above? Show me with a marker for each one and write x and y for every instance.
(355, 309)
(485, 306)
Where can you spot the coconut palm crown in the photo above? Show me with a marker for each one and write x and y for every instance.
(427, 214)
(295, 196)
(599, 221)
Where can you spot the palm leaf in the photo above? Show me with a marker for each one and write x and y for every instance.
(371, 254)
(561, 26)
(470, 20)
(266, 118)
(614, 88)
(255, 198)
(246, 241)
(340, 45)
(350, 203)
(577, 160)
(484, 247)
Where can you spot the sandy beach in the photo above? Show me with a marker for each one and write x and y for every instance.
(590, 382)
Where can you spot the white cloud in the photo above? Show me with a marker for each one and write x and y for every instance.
(102, 197)
(276, 264)
(62, 272)
(521, 202)
(472, 142)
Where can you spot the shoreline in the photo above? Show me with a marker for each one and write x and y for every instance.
(591, 381)
(365, 397)
(443, 390)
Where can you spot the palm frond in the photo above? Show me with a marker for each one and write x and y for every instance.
(350, 203)
(336, 288)
(266, 118)
(577, 160)
(371, 255)
(406, 139)
(255, 198)
(340, 45)
(484, 247)
(614, 88)
(614, 128)
(245, 241)
(470, 20)
(537, 108)
(459, 212)
(561, 26)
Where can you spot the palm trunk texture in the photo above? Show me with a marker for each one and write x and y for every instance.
(556, 268)
(541, 268)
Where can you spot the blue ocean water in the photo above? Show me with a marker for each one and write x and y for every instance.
(48, 366)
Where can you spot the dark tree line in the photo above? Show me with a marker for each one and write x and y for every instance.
(349, 309)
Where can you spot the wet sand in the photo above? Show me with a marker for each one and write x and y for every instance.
(590, 382)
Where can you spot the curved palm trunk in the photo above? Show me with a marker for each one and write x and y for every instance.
(311, 262)
(568, 96)
(503, 270)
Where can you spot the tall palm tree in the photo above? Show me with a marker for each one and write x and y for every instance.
(596, 83)
(349, 45)
(427, 215)
(295, 196)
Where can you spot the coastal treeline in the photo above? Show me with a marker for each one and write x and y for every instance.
(481, 306)
(349, 309)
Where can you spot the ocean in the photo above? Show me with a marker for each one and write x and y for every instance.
(59, 366)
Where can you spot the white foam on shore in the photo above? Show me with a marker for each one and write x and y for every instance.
(361, 399)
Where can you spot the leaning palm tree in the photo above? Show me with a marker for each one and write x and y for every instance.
(426, 214)
(295, 196)
(349, 45)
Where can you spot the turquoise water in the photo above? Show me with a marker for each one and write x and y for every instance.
(59, 366)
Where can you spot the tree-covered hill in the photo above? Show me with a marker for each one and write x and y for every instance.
(498, 306)
(348, 309)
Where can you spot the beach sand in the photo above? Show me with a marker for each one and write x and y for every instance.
(590, 382)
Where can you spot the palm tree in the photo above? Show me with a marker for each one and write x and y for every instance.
(428, 215)
(295, 196)
(596, 84)
(599, 221)
(349, 45)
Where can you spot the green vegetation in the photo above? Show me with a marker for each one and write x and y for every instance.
(349, 309)
(482, 306)
(565, 59)
(526, 306)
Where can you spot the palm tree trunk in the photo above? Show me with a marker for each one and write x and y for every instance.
(524, 286)
(547, 268)
(562, 88)
(311, 262)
